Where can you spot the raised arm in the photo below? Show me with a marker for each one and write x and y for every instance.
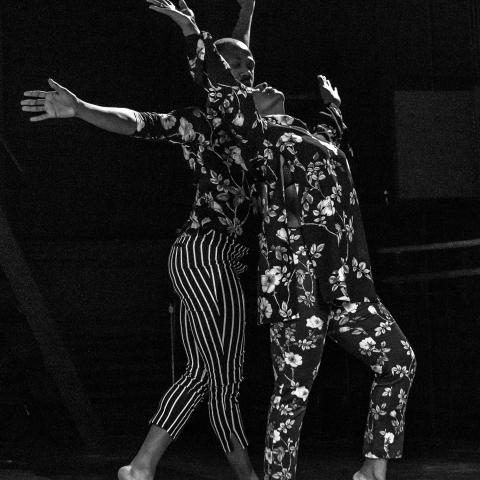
(198, 63)
(229, 101)
(330, 126)
(244, 23)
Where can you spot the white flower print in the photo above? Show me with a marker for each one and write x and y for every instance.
(337, 193)
(315, 322)
(378, 411)
(389, 437)
(367, 345)
(316, 250)
(353, 197)
(238, 120)
(301, 392)
(293, 359)
(289, 139)
(408, 348)
(286, 312)
(402, 398)
(287, 425)
(265, 307)
(350, 307)
(276, 436)
(268, 455)
(382, 329)
(349, 231)
(400, 370)
(327, 207)
(186, 130)
(314, 172)
(372, 310)
(286, 409)
(387, 392)
(271, 279)
(360, 268)
(268, 154)
(235, 154)
(168, 121)
(280, 252)
(282, 234)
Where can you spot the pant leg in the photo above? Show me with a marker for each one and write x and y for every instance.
(204, 276)
(369, 332)
(296, 350)
(182, 398)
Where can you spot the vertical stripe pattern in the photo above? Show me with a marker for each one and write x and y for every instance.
(204, 268)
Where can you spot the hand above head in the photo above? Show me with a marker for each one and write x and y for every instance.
(182, 16)
(327, 92)
(59, 103)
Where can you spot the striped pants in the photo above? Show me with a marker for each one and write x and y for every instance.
(204, 268)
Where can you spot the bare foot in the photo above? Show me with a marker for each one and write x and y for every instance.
(130, 473)
(372, 469)
(360, 476)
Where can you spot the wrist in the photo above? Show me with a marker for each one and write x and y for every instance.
(190, 28)
(79, 108)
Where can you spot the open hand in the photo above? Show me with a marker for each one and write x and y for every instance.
(182, 16)
(327, 92)
(59, 103)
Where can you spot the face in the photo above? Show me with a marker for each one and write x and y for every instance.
(269, 101)
(242, 64)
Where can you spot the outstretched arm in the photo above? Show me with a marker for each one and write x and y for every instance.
(244, 23)
(62, 103)
(185, 126)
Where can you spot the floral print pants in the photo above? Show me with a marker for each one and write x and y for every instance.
(366, 330)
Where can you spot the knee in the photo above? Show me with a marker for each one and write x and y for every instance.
(196, 377)
(223, 390)
(399, 366)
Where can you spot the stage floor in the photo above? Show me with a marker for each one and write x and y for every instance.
(209, 464)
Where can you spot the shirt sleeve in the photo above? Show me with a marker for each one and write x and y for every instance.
(330, 124)
(186, 126)
(207, 66)
(229, 102)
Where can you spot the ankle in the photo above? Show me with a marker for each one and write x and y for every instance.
(372, 469)
(133, 472)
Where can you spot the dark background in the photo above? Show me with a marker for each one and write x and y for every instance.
(96, 213)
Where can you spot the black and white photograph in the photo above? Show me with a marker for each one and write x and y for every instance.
(240, 240)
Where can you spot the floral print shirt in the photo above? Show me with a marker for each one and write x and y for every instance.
(333, 264)
(224, 191)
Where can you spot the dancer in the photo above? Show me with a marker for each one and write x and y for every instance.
(204, 264)
(317, 278)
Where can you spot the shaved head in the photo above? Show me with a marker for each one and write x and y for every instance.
(239, 57)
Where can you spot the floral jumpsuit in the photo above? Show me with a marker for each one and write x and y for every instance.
(315, 278)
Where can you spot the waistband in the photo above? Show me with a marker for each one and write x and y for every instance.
(210, 247)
